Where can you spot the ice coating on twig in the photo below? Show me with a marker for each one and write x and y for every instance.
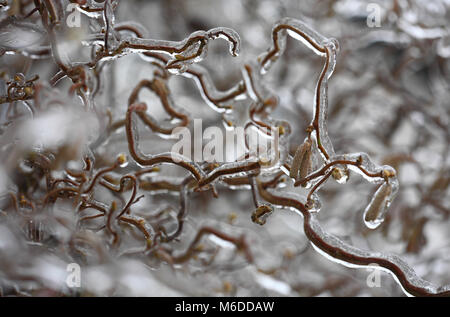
(344, 253)
(256, 89)
(362, 164)
(260, 215)
(253, 170)
(301, 163)
(336, 165)
(229, 35)
(226, 170)
(145, 227)
(376, 210)
(278, 152)
(215, 98)
(296, 29)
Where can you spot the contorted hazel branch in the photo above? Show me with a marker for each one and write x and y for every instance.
(240, 244)
(312, 165)
(133, 140)
(319, 45)
(340, 250)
